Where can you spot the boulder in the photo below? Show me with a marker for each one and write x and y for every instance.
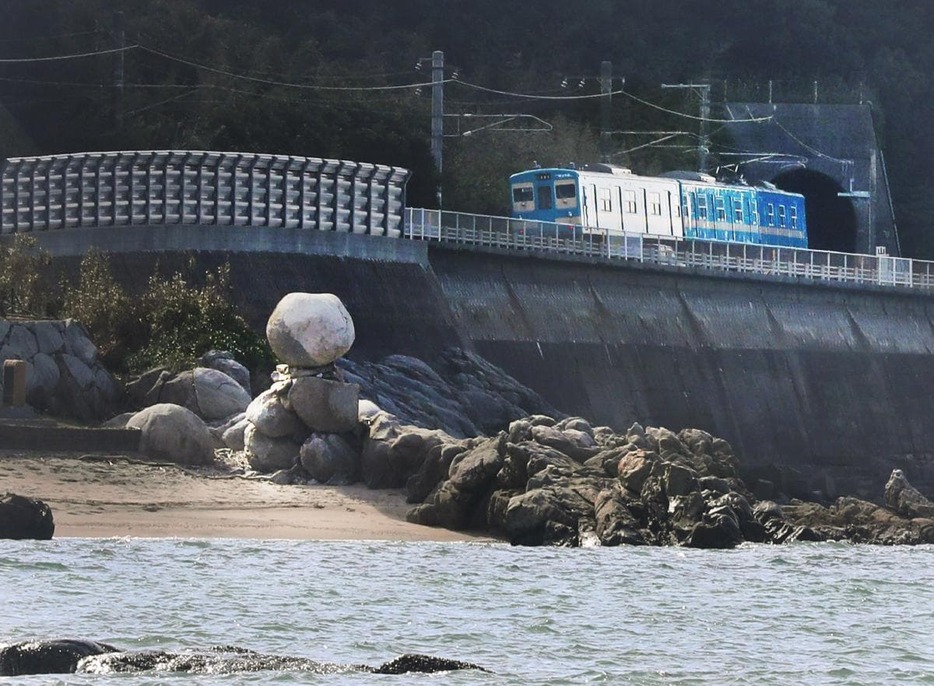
(270, 415)
(323, 405)
(329, 459)
(173, 434)
(376, 469)
(905, 499)
(209, 393)
(268, 455)
(310, 329)
(25, 518)
(234, 435)
(223, 361)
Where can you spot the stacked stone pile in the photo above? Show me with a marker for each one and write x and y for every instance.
(64, 376)
(308, 414)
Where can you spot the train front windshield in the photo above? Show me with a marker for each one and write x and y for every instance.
(542, 196)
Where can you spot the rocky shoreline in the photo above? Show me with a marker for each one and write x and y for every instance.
(477, 451)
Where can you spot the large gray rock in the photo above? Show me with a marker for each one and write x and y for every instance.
(270, 415)
(224, 361)
(905, 499)
(310, 329)
(268, 455)
(209, 393)
(329, 459)
(174, 434)
(64, 377)
(25, 518)
(323, 405)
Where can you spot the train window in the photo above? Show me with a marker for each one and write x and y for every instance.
(522, 194)
(701, 206)
(565, 190)
(721, 210)
(655, 204)
(738, 210)
(565, 194)
(794, 217)
(630, 197)
(770, 214)
(781, 216)
(606, 200)
(545, 200)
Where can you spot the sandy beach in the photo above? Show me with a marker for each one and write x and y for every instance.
(102, 496)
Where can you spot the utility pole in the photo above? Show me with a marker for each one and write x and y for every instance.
(437, 113)
(119, 39)
(606, 89)
(704, 135)
(703, 145)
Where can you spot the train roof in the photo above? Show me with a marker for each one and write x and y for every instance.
(675, 175)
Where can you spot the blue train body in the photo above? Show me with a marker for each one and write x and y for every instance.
(605, 199)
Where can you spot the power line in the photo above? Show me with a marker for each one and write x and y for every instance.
(282, 84)
(691, 116)
(57, 58)
(29, 39)
(531, 96)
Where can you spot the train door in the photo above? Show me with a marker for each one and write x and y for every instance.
(629, 210)
(589, 210)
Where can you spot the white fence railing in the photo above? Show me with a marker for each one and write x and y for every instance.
(819, 265)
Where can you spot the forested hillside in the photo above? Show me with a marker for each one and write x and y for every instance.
(338, 78)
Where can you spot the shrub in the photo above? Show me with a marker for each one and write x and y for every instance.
(172, 324)
(22, 284)
(105, 310)
(183, 322)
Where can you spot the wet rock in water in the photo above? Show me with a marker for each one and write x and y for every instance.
(59, 656)
(411, 662)
(25, 518)
(66, 656)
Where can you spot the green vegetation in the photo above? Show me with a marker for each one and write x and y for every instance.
(172, 323)
(22, 291)
(306, 78)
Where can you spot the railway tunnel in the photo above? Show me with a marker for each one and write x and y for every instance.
(831, 217)
(839, 168)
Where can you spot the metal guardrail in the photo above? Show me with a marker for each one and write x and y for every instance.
(817, 265)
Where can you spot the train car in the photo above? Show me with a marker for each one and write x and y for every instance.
(598, 197)
(782, 219)
(604, 198)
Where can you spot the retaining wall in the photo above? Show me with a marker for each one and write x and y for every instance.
(835, 381)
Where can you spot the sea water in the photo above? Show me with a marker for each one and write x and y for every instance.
(796, 614)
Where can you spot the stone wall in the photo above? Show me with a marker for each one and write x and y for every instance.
(64, 377)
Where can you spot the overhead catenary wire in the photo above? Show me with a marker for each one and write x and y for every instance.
(363, 89)
(282, 84)
(684, 115)
(58, 58)
(29, 39)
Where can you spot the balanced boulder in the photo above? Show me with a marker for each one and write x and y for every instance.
(310, 329)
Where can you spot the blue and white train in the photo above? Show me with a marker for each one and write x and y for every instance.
(605, 199)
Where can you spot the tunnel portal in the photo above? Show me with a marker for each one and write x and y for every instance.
(831, 218)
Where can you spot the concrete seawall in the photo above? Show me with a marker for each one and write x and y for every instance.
(837, 382)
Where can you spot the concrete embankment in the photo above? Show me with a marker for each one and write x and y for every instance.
(835, 382)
